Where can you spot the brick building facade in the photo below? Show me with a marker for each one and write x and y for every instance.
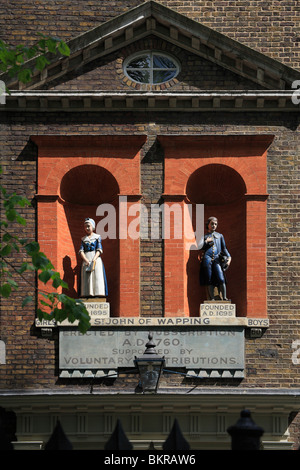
(224, 133)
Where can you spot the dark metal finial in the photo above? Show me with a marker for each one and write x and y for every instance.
(150, 345)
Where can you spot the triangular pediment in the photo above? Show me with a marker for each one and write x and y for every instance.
(156, 20)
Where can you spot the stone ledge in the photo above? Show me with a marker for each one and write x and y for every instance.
(166, 322)
(93, 101)
(87, 374)
(200, 374)
(216, 374)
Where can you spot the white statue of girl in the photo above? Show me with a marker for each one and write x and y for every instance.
(93, 277)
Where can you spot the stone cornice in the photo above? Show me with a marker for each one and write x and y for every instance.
(271, 399)
(99, 101)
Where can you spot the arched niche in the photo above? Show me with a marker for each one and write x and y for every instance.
(243, 166)
(82, 191)
(76, 174)
(89, 185)
(221, 190)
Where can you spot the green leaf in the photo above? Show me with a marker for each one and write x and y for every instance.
(40, 261)
(32, 247)
(64, 48)
(14, 70)
(56, 281)
(20, 200)
(25, 267)
(11, 214)
(12, 283)
(42, 43)
(7, 237)
(76, 310)
(64, 285)
(21, 220)
(20, 58)
(16, 246)
(51, 45)
(25, 75)
(31, 51)
(5, 290)
(41, 62)
(6, 250)
(45, 276)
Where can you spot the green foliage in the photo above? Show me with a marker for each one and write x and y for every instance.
(54, 305)
(13, 59)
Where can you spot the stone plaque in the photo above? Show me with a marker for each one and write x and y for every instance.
(217, 309)
(211, 348)
(96, 311)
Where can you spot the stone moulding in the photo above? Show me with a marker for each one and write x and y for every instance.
(93, 101)
(113, 374)
(165, 322)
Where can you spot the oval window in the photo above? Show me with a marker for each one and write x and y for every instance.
(151, 67)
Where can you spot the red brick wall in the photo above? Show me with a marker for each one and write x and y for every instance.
(109, 166)
(246, 157)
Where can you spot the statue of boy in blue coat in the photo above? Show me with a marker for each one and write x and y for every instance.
(216, 259)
